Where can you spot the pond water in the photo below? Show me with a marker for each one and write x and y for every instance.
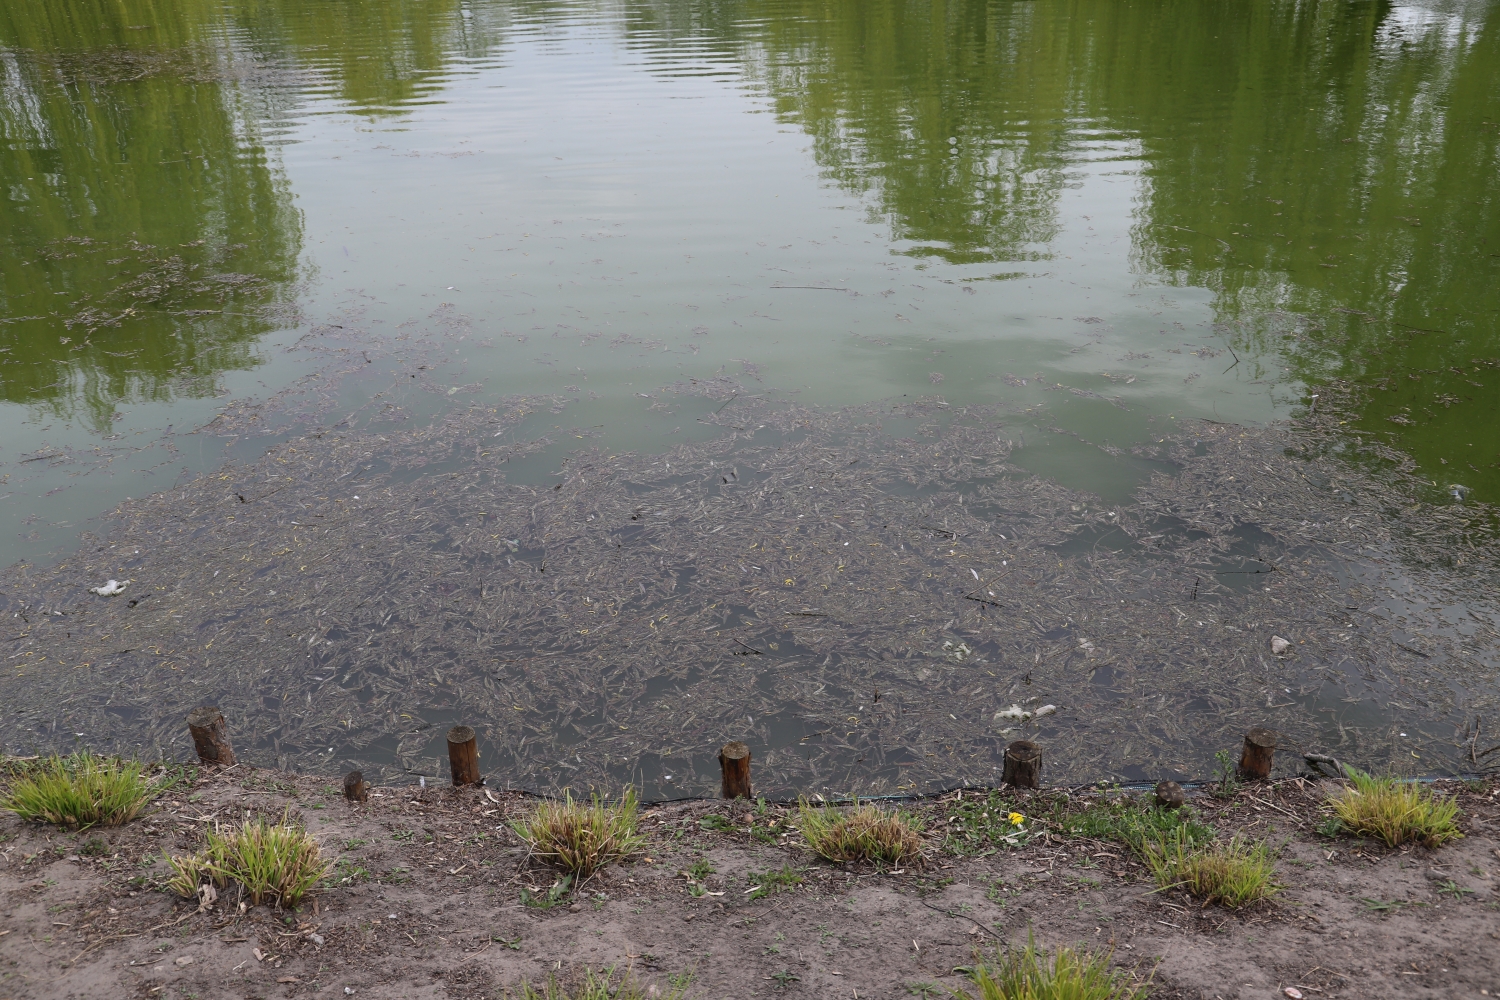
(228, 224)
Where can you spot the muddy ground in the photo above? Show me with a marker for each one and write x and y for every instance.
(427, 902)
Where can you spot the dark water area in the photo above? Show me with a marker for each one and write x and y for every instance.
(456, 251)
(873, 614)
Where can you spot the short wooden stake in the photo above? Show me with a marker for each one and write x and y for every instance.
(356, 788)
(1255, 759)
(1169, 795)
(1023, 764)
(734, 761)
(210, 736)
(463, 756)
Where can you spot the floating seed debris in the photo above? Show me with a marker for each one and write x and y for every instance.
(875, 599)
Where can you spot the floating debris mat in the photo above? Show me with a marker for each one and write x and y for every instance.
(876, 599)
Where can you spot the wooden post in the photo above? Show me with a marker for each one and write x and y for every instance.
(1169, 795)
(463, 756)
(1255, 759)
(1023, 764)
(210, 736)
(734, 761)
(356, 788)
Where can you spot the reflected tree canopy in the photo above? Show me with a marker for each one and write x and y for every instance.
(1329, 170)
(146, 229)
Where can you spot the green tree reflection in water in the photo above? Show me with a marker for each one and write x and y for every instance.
(378, 58)
(1331, 171)
(1344, 206)
(146, 230)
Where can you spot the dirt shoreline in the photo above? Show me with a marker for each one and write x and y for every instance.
(426, 902)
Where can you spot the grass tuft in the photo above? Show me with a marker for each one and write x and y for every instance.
(978, 825)
(1070, 974)
(865, 834)
(275, 862)
(1231, 873)
(1127, 822)
(1395, 811)
(582, 838)
(80, 790)
(768, 883)
(603, 986)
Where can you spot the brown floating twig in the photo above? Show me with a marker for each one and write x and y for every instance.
(463, 756)
(734, 760)
(210, 736)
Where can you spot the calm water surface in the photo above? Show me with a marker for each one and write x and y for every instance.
(1104, 215)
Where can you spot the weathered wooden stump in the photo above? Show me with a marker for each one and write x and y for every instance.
(1255, 759)
(734, 761)
(356, 788)
(210, 736)
(463, 756)
(1169, 795)
(1023, 764)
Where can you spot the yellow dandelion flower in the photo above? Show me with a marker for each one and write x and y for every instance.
(1016, 819)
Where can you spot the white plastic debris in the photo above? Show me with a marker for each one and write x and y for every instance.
(1280, 645)
(109, 588)
(958, 651)
(207, 897)
(1018, 714)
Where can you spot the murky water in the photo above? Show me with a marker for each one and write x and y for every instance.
(229, 223)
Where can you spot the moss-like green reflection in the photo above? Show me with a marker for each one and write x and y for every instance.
(146, 232)
(1331, 171)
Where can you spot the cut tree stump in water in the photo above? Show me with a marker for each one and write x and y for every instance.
(734, 759)
(463, 756)
(210, 736)
(1255, 759)
(1023, 764)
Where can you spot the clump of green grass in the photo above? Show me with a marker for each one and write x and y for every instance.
(1227, 786)
(582, 838)
(977, 825)
(1231, 873)
(80, 790)
(863, 834)
(1395, 811)
(275, 862)
(769, 883)
(603, 986)
(1069, 974)
(1127, 822)
(554, 895)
